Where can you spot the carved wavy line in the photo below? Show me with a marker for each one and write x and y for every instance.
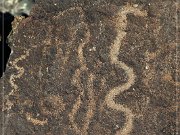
(77, 82)
(20, 72)
(91, 105)
(114, 52)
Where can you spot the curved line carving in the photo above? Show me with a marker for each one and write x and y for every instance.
(77, 82)
(20, 72)
(121, 23)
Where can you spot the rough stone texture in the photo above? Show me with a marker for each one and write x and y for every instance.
(101, 67)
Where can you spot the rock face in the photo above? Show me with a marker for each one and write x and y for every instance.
(102, 67)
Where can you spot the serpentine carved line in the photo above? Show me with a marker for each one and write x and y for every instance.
(20, 72)
(121, 24)
(77, 82)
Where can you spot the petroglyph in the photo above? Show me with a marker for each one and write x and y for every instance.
(78, 103)
(13, 77)
(74, 82)
(121, 23)
(77, 82)
(121, 20)
(35, 121)
(91, 105)
(20, 71)
(92, 68)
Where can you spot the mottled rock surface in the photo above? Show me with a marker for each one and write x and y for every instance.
(93, 67)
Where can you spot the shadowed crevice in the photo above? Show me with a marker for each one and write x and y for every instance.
(5, 50)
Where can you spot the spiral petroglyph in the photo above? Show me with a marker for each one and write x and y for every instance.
(121, 23)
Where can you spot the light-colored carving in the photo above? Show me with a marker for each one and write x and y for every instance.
(77, 82)
(91, 105)
(35, 121)
(13, 77)
(121, 23)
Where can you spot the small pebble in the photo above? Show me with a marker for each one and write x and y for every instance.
(135, 5)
